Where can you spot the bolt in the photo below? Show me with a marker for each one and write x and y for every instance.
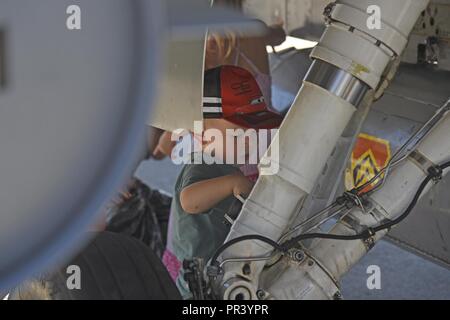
(298, 256)
(310, 263)
(337, 296)
(260, 294)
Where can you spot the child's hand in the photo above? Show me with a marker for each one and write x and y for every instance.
(241, 185)
(164, 147)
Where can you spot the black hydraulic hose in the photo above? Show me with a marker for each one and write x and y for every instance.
(223, 247)
(433, 173)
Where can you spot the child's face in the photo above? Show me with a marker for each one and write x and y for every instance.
(230, 143)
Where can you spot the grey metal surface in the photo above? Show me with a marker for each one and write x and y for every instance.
(2, 59)
(72, 118)
(287, 69)
(301, 18)
(180, 86)
(187, 20)
(412, 99)
(403, 276)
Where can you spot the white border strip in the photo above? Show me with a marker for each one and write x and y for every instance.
(212, 109)
(212, 100)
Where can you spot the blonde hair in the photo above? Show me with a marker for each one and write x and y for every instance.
(221, 46)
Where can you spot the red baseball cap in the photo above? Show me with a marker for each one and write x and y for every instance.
(232, 93)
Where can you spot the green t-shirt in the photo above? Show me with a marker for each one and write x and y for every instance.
(198, 235)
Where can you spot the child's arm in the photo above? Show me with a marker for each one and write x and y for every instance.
(201, 196)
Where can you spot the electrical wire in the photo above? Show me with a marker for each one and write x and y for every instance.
(418, 136)
(313, 218)
(264, 239)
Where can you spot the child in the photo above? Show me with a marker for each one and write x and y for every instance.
(204, 193)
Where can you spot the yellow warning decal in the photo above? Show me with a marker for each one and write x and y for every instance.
(370, 155)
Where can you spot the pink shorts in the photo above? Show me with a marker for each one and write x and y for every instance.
(172, 264)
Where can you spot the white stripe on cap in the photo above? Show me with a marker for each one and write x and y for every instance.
(212, 100)
(212, 109)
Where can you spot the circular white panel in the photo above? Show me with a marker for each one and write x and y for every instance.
(73, 106)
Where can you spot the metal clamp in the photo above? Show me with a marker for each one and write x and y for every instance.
(337, 81)
(421, 161)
